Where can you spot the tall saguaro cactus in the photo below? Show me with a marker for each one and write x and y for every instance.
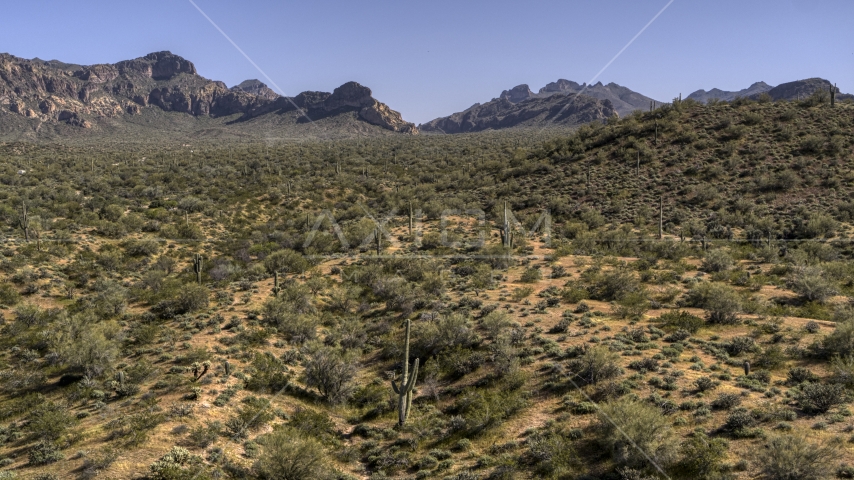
(506, 231)
(25, 221)
(403, 389)
(276, 287)
(833, 90)
(197, 267)
(660, 217)
(410, 219)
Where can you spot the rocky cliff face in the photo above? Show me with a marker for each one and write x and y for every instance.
(502, 113)
(55, 92)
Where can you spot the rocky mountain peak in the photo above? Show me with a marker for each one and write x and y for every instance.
(256, 87)
(517, 94)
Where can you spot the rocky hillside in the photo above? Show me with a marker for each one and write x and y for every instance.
(502, 113)
(703, 96)
(53, 94)
(801, 89)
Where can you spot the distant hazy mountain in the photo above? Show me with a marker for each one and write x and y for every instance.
(43, 99)
(521, 107)
(703, 96)
(624, 100)
(502, 113)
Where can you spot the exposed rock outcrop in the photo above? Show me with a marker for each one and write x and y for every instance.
(256, 87)
(84, 94)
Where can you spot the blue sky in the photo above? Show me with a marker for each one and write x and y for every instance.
(432, 58)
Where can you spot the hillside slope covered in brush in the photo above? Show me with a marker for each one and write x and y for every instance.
(214, 310)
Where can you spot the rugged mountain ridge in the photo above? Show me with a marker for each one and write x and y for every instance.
(503, 113)
(624, 100)
(799, 89)
(521, 107)
(83, 96)
(703, 96)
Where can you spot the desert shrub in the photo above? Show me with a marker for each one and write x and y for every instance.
(614, 285)
(704, 384)
(286, 261)
(799, 375)
(9, 296)
(203, 436)
(820, 397)
(49, 421)
(794, 457)
(495, 323)
(721, 302)
(811, 285)
(840, 341)
(717, 260)
(739, 420)
(314, 423)
(595, 365)
(843, 370)
(771, 357)
(268, 374)
(44, 452)
(482, 410)
(552, 454)
(649, 430)
(189, 298)
(446, 332)
(252, 415)
(332, 373)
(531, 275)
(289, 454)
(726, 401)
(681, 320)
(632, 305)
(738, 345)
(702, 457)
(177, 464)
(144, 247)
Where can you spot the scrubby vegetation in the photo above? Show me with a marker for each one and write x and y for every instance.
(239, 311)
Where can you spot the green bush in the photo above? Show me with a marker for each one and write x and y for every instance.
(268, 374)
(531, 275)
(632, 430)
(820, 397)
(717, 261)
(332, 373)
(178, 464)
(286, 261)
(44, 452)
(288, 454)
(615, 285)
(681, 320)
(702, 457)
(9, 295)
(794, 457)
(721, 302)
(595, 365)
(811, 285)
